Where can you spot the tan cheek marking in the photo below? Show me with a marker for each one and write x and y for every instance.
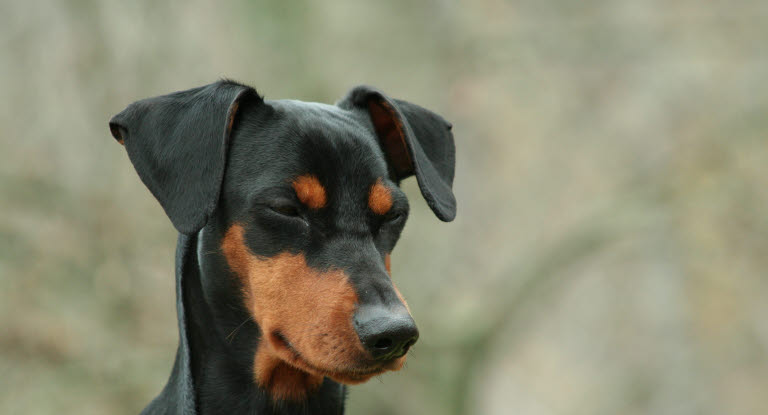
(310, 309)
(397, 364)
(379, 198)
(400, 296)
(310, 191)
(388, 266)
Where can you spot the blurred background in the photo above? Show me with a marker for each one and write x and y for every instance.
(610, 251)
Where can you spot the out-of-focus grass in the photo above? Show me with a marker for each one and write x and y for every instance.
(608, 257)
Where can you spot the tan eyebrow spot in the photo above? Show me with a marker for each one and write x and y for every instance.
(310, 191)
(380, 198)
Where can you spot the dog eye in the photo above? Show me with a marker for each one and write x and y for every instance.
(394, 217)
(286, 210)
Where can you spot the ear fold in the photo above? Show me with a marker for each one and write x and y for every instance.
(178, 146)
(415, 141)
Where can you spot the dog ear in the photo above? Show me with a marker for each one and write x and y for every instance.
(178, 146)
(415, 141)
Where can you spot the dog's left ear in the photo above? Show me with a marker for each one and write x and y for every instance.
(415, 141)
(178, 145)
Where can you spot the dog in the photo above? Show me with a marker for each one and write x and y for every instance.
(287, 212)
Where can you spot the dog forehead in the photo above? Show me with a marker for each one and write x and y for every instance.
(315, 115)
(306, 138)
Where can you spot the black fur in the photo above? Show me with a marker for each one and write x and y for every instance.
(220, 154)
(178, 145)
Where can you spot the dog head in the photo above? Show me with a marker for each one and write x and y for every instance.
(297, 208)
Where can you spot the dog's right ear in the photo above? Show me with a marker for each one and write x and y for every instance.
(178, 146)
(415, 140)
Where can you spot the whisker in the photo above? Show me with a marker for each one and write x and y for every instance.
(231, 336)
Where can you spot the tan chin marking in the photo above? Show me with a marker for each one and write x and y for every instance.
(311, 309)
(283, 381)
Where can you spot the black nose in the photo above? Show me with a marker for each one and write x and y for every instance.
(385, 333)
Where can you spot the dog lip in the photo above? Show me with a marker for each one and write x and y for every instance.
(346, 374)
(354, 374)
(362, 372)
(285, 343)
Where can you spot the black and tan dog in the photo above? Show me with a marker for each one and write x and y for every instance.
(287, 212)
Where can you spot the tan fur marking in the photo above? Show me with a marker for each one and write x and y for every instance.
(400, 296)
(283, 381)
(380, 198)
(388, 266)
(310, 191)
(305, 317)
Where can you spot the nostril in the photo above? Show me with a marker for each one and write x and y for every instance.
(390, 346)
(409, 343)
(383, 343)
(405, 346)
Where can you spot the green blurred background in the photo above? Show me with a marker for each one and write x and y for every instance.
(611, 245)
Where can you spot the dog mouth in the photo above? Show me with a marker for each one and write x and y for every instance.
(359, 373)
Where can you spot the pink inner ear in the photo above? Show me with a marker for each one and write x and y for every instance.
(115, 130)
(392, 137)
(232, 114)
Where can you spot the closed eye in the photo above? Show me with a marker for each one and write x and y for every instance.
(286, 210)
(394, 216)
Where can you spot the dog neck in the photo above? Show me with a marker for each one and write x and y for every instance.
(213, 371)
